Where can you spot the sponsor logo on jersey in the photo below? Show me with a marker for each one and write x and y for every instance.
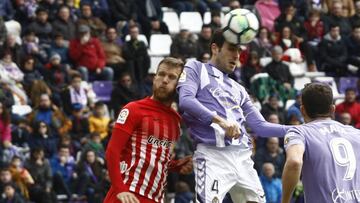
(160, 143)
(182, 76)
(122, 116)
(343, 196)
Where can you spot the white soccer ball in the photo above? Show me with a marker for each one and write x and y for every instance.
(240, 26)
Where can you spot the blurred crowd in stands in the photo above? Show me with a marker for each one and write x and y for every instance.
(68, 66)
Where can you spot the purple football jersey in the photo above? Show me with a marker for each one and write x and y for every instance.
(205, 91)
(331, 162)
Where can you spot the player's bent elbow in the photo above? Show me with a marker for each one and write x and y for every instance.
(294, 163)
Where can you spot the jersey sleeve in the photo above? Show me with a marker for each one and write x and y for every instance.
(294, 137)
(188, 86)
(127, 119)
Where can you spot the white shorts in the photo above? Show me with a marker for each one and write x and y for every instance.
(222, 170)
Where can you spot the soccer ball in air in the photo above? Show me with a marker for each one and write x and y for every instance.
(240, 26)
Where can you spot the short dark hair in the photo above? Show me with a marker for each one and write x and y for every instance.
(218, 39)
(75, 75)
(350, 89)
(206, 26)
(317, 99)
(333, 25)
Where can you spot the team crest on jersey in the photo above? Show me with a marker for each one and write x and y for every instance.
(122, 116)
(215, 200)
(182, 76)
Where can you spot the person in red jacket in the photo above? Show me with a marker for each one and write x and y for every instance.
(139, 152)
(351, 106)
(89, 56)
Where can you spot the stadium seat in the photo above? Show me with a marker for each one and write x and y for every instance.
(296, 69)
(103, 90)
(300, 82)
(207, 17)
(191, 21)
(155, 60)
(331, 82)
(289, 102)
(160, 45)
(171, 19)
(264, 61)
(347, 82)
(141, 38)
(314, 74)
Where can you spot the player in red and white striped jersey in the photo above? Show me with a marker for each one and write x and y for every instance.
(138, 154)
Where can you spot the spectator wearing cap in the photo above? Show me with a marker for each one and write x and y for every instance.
(63, 24)
(124, 92)
(96, 25)
(150, 17)
(278, 70)
(136, 56)
(333, 53)
(89, 57)
(41, 27)
(351, 106)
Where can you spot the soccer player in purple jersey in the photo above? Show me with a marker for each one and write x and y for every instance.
(327, 152)
(215, 109)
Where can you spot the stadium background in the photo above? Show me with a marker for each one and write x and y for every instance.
(42, 60)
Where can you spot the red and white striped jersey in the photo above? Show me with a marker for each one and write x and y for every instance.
(154, 128)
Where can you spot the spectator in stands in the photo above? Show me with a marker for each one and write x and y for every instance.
(30, 72)
(262, 44)
(335, 16)
(234, 4)
(150, 16)
(215, 22)
(353, 47)
(99, 7)
(99, 121)
(12, 76)
(204, 39)
(5, 131)
(56, 76)
(12, 46)
(91, 174)
(251, 68)
(21, 176)
(20, 134)
(183, 193)
(289, 19)
(287, 39)
(184, 45)
(348, 7)
(124, 92)
(63, 24)
(182, 6)
(113, 52)
(345, 118)
(11, 195)
(51, 6)
(41, 27)
(61, 47)
(268, 11)
(38, 88)
(89, 56)
(96, 25)
(80, 124)
(6, 10)
(3, 31)
(51, 115)
(351, 106)
(94, 144)
(294, 114)
(272, 185)
(122, 11)
(136, 56)
(6, 96)
(75, 94)
(39, 168)
(63, 170)
(355, 19)
(314, 27)
(273, 107)
(333, 52)
(6, 178)
(43, 138)
(278, 70)
(32, 47)
(272, 153)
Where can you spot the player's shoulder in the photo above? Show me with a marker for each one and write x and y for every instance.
(194, 65)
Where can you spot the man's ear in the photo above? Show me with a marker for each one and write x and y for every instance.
(214, 49)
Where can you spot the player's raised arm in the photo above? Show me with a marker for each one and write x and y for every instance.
(259, 125)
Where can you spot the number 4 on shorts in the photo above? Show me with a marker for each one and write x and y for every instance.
(215, 186)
